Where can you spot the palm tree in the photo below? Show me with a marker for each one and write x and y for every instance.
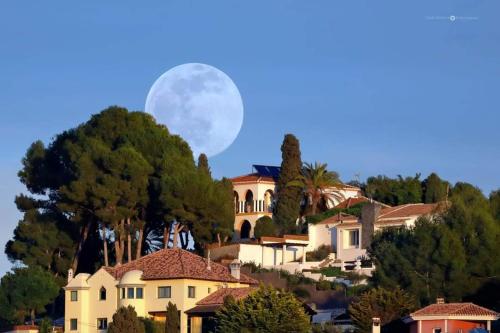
(319, 184)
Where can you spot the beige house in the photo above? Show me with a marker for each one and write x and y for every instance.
(148, 284)
(349, 236)
(254, 196)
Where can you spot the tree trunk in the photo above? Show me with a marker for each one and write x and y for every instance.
(105, 245)
(117, 251)
(138, 251)
(129, 241)
(122, 239)
(219, 240)
(177, 229)
(83, 239)
(166, 236)
(32, 316)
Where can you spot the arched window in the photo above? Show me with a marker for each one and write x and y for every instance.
(249, 202)
(102, 294)
(268, 201)
(246, 227)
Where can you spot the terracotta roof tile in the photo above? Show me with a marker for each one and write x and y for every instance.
(177, 264)
(408, 210)
(454, 309)
(217, 297)
(253, 177)
(341, 217)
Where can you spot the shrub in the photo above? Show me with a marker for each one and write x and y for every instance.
(125, 320)
(264, 226)
(325, 328)
(319, 254)
(153, 326)
(301, 292)
(323, 285)
(172, 325)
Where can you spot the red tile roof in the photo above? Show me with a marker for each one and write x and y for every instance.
(407, 210)
(341, 217)
(454, 309)
(253, 177)
(177, 264)
(217, 297)
(349, 202)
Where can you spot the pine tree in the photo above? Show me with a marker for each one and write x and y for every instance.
(125, 320)
(264, 310)
(172, 324)
(289, 197)
(388, 305)
(435, 189)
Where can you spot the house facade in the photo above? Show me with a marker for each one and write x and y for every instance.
(254, 197)
(349, 236)
(450, 318)
(148, 284)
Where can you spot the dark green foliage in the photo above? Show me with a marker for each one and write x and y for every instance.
(448, 257)
(495, 204)
(125, 320)
(323, 285)
(265, 310)
(153, 326)
(264, 226)
(118, 177)
(172, 325)
(25, 293)
(395, 191)
(319, 254)
(203, 165)
(386, 304)
(45, 326)
(287, 208)
(435, 189)
(354, 210)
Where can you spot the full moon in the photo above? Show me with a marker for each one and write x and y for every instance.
(201, 104)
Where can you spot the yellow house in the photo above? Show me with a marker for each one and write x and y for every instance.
(148, 284)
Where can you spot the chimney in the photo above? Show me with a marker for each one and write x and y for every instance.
(208, 260)
(70, 275)
(375, 325)
(235, 267)
(439, 300)
(369, 215)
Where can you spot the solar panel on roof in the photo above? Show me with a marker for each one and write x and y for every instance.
(267, 170)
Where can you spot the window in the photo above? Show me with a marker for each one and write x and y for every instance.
(102, 294)
(73, 324)
(164, 292)
(191, 292)
(437, 330)
(123, 293)
(209, 290)
(138, 293)
(354, 238)
(74, 295)
(130, 293)
(102, 323)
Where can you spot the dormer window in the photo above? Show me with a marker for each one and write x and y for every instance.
(102, 294)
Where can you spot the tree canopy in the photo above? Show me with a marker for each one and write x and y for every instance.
(388, 305)
(287, 209)
(446, 256)
(265, 310)
(125, 320)
(264, 226)
(117, 180)
(25, 293)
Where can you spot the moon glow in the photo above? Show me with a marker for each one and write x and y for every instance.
(201, 104)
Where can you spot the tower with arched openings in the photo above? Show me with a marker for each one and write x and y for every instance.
(254, 196)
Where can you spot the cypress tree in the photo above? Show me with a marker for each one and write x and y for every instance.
(288, 204)
(172, 324)
(203, 164)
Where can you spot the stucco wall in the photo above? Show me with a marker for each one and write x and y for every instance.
(344, 252)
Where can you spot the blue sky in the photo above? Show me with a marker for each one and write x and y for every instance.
(370, 87)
